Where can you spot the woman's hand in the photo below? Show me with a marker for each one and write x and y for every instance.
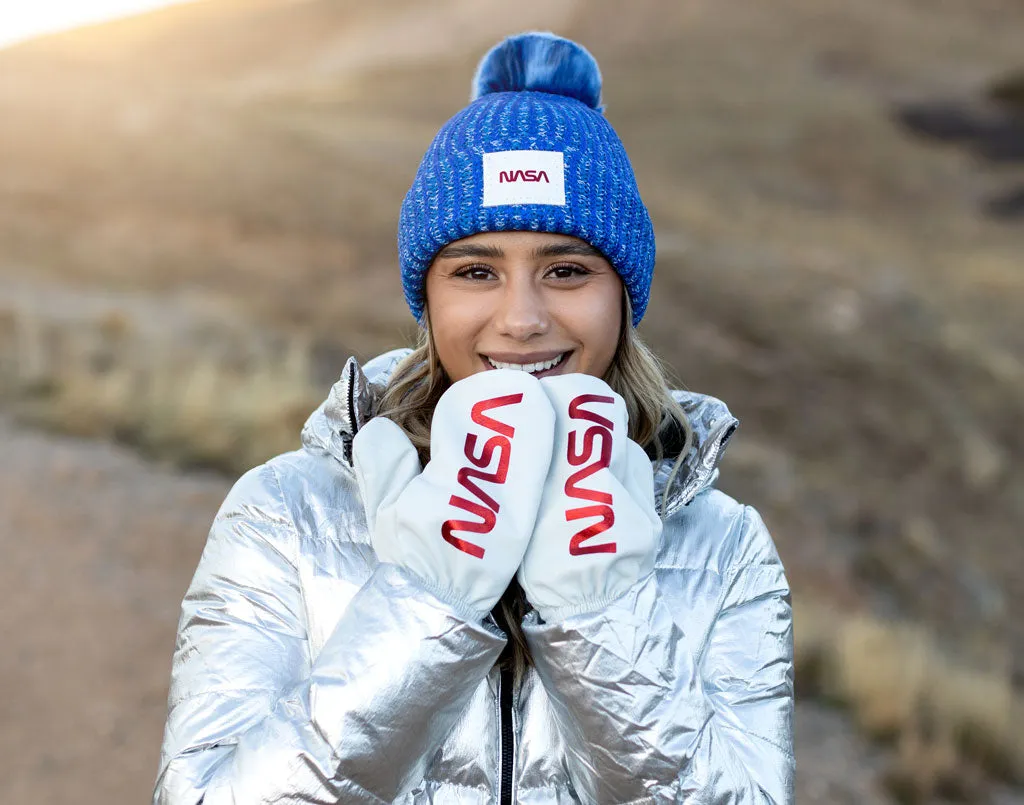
(463, 524)
(597, 529)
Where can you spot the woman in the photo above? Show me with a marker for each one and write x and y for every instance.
(497, 570)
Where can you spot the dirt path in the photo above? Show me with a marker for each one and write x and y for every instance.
(98, 548)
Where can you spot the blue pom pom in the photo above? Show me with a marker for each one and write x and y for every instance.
(540, 62)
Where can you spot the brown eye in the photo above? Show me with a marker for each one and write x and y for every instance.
(474, 273)
(567, 271)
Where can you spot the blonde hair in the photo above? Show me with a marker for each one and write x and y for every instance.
(636, 374)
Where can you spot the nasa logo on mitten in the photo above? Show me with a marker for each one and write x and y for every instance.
(599, 432)
(487, 508)
(596, 528)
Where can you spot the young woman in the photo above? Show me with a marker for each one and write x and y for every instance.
(497, 570)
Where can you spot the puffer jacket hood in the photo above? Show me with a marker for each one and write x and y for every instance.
(351, 401)
(307, 671)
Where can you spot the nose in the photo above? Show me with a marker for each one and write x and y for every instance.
(522, 311)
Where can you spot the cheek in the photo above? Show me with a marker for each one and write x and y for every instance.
(446, 342)
(595, 319)
(454, 327)
(604, 341)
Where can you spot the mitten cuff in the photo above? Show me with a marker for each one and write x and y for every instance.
(448, 597)
(587, 607)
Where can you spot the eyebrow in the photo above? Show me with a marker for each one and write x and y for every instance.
(457, 250)
(567, 250)
(460, 250)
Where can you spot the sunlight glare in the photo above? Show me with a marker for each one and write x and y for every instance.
(29, 18)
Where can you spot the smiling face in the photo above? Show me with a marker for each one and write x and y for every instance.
(548, 303)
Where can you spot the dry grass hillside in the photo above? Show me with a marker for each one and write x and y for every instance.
(197, 215)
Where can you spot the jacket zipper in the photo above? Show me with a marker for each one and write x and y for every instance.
(507, 731)
(352, 423)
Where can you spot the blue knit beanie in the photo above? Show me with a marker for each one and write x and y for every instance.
(533, 152)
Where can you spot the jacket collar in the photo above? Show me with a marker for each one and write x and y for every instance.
(712, 425)
(348, 406)
(351, 401)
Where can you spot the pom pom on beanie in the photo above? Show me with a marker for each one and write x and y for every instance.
(531, 152)
(540, 62)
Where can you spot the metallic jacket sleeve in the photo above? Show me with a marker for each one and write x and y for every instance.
(253, 719)
(649, 717)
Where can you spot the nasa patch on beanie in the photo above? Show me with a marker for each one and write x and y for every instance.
(532, 152)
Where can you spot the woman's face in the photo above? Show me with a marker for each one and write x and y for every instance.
(548, 302)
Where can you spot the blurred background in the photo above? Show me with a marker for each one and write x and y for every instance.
(197, 226)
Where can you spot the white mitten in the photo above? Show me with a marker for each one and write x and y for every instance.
(462, 524)
(597, 530)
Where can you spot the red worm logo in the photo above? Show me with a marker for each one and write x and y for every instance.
(600, 431)
(487, 508)
(525, 176)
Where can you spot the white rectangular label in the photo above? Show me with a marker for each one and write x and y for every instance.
(524, 177)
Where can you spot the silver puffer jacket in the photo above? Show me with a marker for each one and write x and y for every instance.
(307, 672)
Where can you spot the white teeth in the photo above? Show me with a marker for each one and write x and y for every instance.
(528, 367)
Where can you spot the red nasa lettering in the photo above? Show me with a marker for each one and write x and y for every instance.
(487, 508)
(600, 431)
(523, 176)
